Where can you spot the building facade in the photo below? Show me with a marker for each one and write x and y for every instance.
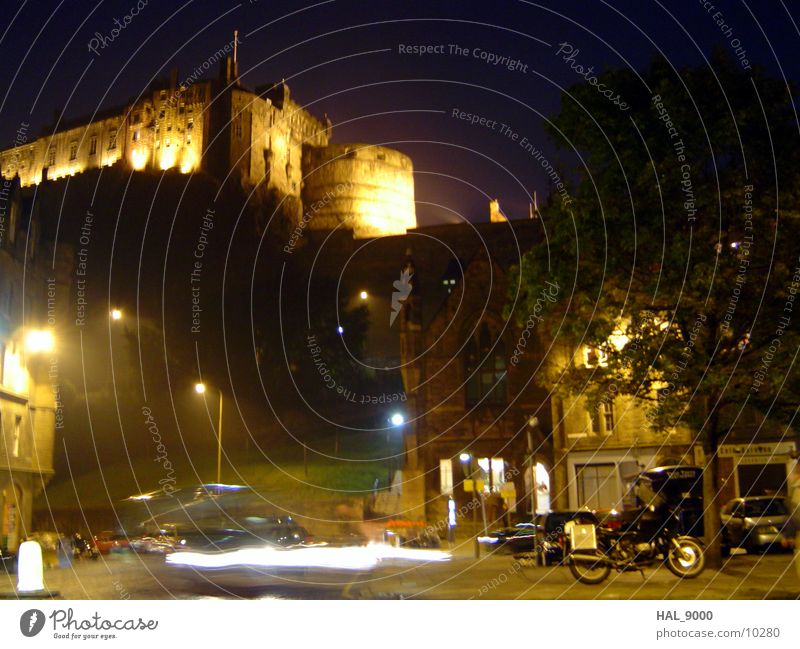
(33, 292)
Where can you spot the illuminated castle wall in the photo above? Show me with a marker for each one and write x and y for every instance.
(259, 137)
(367, 188)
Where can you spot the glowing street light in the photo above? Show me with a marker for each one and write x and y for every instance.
(39, 340)
(116, 314)
(363, 295)
(397, 419)
(340, 330)
(465, 457)
(200, 388)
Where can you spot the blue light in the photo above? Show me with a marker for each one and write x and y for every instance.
(340, 329)
(398, 419)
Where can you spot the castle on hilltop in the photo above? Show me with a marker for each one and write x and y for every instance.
(259, 138)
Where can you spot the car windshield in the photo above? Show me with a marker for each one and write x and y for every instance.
(765, 508)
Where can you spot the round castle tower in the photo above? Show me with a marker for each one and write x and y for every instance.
(366, 188)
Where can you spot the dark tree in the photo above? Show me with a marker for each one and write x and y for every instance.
(681, 237)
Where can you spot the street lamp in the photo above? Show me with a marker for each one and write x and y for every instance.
(116, 314)
(200, 388)
(363, 295)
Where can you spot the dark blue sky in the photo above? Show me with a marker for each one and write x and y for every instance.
(341, 57)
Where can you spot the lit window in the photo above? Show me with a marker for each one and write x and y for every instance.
(73, 151)
(51, 156)
(594, 357)
(136, 136)
(93, 145)
(446, 476)
(112, 140)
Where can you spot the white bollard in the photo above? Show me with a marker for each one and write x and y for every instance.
(30, 569)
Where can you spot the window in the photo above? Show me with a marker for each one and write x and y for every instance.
(485, 369)
(112, 140)
(15, 440)
(601, 419)
(597, 485)
(190, 125)
(73, 151)
(136, 136)
(594, 357)
(446, 477)
(237, 128)
(608, 417)
(137, 117)
(51, 156)
(594, 421)
(93, 145)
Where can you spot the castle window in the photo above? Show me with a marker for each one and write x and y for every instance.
(169, 127)
(190, 125)
(136, 136)
(15, 440)
(93, 145)
(485, 369)
(112, 140)
(161, 114)
(237, 128)
(51, 156)
(73, 151)
(137, 117)
(163, 94)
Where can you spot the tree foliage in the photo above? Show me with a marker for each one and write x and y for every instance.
(683, 236)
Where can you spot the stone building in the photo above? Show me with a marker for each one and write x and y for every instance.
(259, 138)
(598, 451)
(33, 293)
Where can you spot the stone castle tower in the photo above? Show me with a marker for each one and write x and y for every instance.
(259, 138)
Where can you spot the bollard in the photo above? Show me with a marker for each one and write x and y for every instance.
(30, 570)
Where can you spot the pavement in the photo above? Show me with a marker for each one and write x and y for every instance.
(493, 576)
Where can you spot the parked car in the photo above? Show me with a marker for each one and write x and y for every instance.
(107, 542)
(755, 523)
(549, 527)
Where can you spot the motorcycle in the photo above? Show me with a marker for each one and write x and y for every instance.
(83, 548)
(653, 534)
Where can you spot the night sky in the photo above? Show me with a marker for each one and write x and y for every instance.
(343, 58)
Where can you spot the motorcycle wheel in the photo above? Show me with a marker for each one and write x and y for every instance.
(688, 560)
(590, 572)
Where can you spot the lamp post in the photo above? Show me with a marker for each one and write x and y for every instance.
(469, 469)
(200, 388)
(396, 420)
